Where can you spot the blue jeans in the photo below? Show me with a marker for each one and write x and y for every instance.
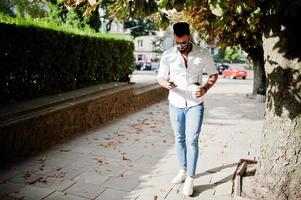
(186, 124)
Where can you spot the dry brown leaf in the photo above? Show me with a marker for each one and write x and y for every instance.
(99, 160)
(59, 168)
(59, 175)
(125, 158)
(43, 159)
(64, 150)
(40, 179)
(27, 174)
(42, 167)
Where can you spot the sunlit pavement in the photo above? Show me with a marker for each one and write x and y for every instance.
(134, 157)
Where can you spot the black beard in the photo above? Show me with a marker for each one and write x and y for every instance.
(183, 50)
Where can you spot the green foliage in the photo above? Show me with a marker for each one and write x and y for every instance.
(37, 61)
(57, 13)
(140, 27)
(231, 54)
(6, 7)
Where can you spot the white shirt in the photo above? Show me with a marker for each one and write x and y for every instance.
(172, 67)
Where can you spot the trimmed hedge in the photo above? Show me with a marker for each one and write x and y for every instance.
(36, 61)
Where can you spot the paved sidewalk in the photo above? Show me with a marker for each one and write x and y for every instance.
(134, 157)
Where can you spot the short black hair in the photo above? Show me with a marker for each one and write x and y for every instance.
(181, 28)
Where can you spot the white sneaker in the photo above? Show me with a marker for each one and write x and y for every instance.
(180, 177)
(188, 186)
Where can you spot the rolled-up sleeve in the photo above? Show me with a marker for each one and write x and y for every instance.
(209, 64)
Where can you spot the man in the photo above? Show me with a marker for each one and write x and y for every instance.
(180, 71)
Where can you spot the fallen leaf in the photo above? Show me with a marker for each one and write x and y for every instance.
(125, 158)
(99, 160)
(43, 159)
(59, 168)
(27, 174)
(64, 150)
(40, 179)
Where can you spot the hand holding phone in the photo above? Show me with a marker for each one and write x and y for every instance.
(171, 85)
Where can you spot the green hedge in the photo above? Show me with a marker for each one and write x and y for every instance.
(35, 61)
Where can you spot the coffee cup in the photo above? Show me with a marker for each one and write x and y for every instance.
(195, 88)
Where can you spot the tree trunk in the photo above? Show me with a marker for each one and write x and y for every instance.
(256, 55)
(279, 166)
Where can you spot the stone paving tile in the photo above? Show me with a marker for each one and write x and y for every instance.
(208, 197)
(9, 172)
(25, 178)
(175, 193)
(146, 193)
(37, 166)
(65, 172)
(8, 187)
(32, 193)
(112, 194)
(135, 175)
(206, 189)
(224, 188)
(63, 196)
(57, 184)
(203, 178)
(91, 176)
(86, 190)
(108, 170)
(121, 183)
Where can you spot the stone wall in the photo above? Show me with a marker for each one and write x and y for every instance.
(30, 133)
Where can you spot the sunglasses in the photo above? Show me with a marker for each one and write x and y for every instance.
(182, 43)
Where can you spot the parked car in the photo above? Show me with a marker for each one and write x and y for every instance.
(155, 65)
(138, 65)
(147, 66)
(221, 67)
(235, 72)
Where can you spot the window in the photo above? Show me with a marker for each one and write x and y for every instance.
(140, 43)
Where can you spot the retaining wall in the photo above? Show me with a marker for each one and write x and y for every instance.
(26, 132)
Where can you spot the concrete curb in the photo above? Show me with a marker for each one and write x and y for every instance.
(24, 132)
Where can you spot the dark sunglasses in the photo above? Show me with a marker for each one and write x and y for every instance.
(182, 43)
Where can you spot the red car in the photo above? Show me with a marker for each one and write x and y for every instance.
(235, 72)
